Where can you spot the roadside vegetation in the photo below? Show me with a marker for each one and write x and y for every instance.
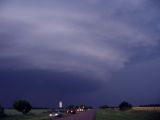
(125, 111)
(22, 110)
(150, 109)
(108, 114)
(22, 106)
(2, 114)
(125, 106)
(34, 114)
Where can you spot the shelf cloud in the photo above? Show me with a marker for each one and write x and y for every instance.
(91, 38)
(96, 47)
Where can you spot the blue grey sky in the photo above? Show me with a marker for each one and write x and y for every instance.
(103, 51)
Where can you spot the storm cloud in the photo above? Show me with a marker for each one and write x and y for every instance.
(89, 38)
(74, 36)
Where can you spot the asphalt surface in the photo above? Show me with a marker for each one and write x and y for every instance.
(88, 115)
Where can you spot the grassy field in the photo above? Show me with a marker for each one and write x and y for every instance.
(154, 109)
(36, 114)
(130, 115)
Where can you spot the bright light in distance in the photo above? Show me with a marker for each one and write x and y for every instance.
(56, 114)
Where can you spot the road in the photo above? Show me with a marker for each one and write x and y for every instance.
(88, 115)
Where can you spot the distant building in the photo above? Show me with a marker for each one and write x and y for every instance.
(60, 104)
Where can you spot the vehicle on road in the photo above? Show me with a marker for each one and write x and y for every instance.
(56, 113)
(71, 111)
(79, 109)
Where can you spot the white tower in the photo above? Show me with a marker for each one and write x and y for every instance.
(60, 104)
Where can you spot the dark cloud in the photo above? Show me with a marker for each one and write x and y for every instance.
(44, 86)
(79, 42)
(88, 39)
(138, 83)
(4, 41)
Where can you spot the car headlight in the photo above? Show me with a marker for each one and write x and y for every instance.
(56, 114)
(50, 115)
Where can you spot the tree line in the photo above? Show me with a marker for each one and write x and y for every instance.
(122, 106)
(150, 105)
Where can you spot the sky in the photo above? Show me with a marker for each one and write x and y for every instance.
(91, 52)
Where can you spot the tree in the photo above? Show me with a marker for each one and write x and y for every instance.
(1, 111)
(22, 106)
(71, 107)
(125, 106)
(103, 107)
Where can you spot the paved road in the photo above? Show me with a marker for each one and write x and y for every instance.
(88, 115)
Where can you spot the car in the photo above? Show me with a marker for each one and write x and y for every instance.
(56, 113)
(80, 109)
(71, 111)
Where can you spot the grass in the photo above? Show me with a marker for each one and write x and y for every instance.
(35, 114)
(156, 109)
(42, 114)
(130, 115)
(33, 111)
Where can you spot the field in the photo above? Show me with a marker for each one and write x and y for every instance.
(130, 115)
(137, 113)
(36, 114)
(150, 109)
